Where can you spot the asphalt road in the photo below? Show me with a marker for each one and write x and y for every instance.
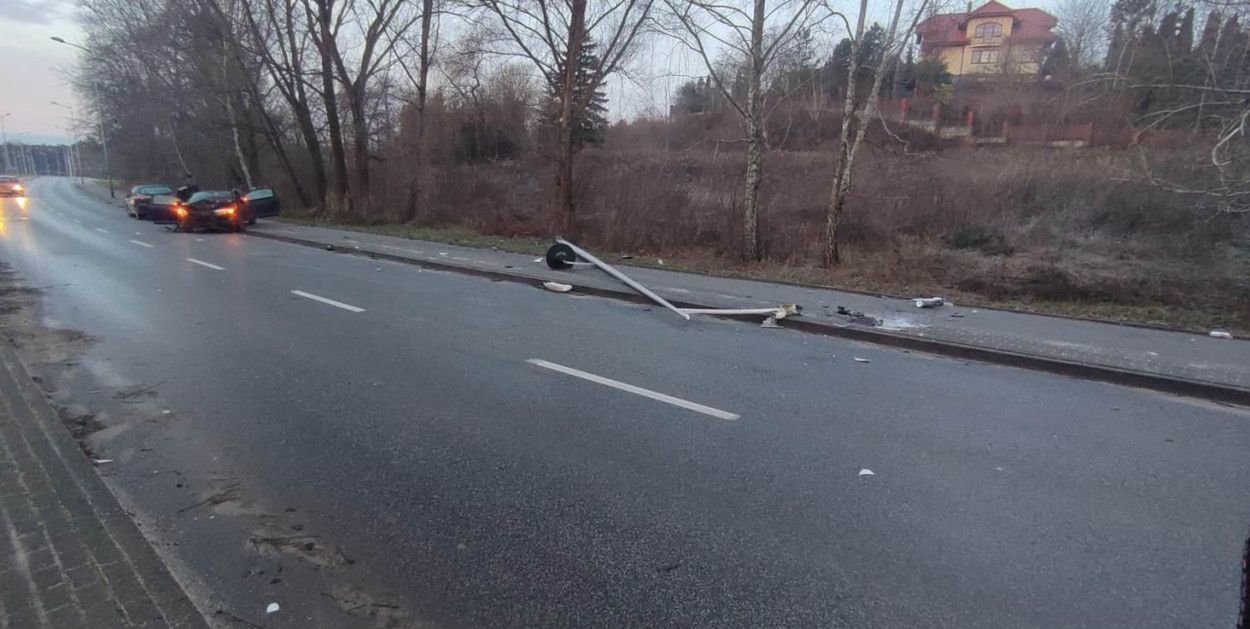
(430, 423)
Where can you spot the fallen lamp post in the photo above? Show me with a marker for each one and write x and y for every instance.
(565, 255)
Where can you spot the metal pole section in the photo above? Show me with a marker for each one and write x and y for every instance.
(5, 136)
(606, 268)
(104, 141)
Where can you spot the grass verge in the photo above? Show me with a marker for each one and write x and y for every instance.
(1174, 317)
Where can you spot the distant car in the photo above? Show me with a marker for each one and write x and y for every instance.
(11, 186)
(139, 200)
(223, 209)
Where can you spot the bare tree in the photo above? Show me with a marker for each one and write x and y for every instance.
(424, 51)
(1083, 27)
(856, 116)
(324, 21)
(550, 35)
(275, 36)
(738, 28)
(383, 22)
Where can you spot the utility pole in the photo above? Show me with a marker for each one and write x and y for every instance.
(99, 105)
(5, 136)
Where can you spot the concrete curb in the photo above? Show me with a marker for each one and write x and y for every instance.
(1087, 371)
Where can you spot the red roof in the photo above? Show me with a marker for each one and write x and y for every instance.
(948, 29)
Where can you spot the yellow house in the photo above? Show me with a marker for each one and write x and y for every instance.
(993, 39)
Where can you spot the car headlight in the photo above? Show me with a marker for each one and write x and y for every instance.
(18, 187)
(225, 211)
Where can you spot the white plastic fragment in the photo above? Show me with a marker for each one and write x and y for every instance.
(862, 360)
(272, 608)
(557, 287)
(101, 461)
(929, 302)
(770, 322)
(1219, 334)
(866, 472)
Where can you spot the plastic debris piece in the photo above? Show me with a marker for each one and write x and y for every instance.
(272, 608)
(862, 360)
(1219, 334)
(929, 302)
(101, 461)
(660, 262)
(557, 287)
(866, 472)
(770, 322)
(538, 259)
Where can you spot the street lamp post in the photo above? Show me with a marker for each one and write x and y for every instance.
(104, 142)
(5, 136)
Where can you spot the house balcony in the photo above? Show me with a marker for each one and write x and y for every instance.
(987, 41)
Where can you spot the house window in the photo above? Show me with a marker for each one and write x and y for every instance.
(989, 30)
(985, 56)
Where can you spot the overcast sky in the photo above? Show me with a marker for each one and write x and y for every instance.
(33, 68)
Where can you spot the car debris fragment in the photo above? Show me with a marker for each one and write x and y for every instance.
(557, 287)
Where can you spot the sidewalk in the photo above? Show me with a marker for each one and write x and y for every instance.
(1195, 364)
(69, 554)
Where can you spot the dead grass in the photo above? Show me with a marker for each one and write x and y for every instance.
(910, 272)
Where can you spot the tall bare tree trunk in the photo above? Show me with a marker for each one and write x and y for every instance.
(842, 160)
(360, 145)
(232, 116)
(341, 200)
(855, 124)
(755, 139)
(564, 182)
(423, 77)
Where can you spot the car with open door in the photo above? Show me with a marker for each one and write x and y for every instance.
(139, 200)
(211, 209)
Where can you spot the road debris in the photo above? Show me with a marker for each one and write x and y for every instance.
(862, 360)
(565, 254)
(1219, 334)
(272, 608)
(866, 472)
(557, 287)
(929, 302)
(610, 270)
(101, 461)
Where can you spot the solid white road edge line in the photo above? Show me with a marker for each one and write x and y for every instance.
(207, 264)
(647, 393)
(328, 301)
(143, 244)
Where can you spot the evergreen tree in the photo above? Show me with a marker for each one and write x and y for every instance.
(589, 100)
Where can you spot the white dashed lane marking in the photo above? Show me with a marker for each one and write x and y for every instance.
(328, 301)
(143, 244)
(647, 393)
(206, 264)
